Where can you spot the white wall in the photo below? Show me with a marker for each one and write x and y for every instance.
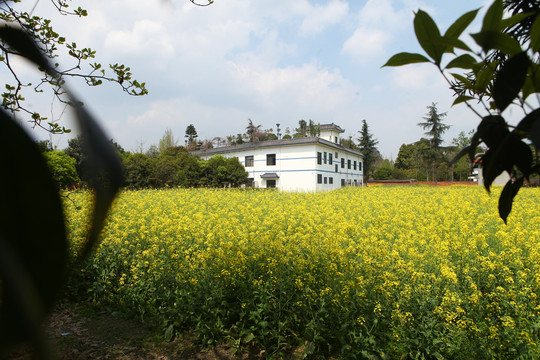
(297, 168)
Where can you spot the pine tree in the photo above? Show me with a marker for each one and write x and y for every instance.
(435, 130)
(367, 145)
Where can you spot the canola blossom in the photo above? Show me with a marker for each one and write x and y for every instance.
(353, 273)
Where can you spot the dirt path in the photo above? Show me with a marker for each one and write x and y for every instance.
(82, 333)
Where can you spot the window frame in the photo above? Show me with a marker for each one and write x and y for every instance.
(271, 160)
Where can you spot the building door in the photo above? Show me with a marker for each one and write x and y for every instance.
(270, 184)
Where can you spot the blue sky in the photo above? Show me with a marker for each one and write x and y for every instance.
(270, 61)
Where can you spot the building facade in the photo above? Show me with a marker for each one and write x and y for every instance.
(304, 164)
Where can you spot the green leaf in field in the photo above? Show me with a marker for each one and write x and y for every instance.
(456, 29)
(464, 61)
(405, 58)
(429, 36)
(497, 40)
(493, 17)
(535, 35)
(506, 199)
(510, 80)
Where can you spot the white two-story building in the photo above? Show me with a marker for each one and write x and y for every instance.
(302, 164)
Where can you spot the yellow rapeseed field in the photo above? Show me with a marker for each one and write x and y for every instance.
(357, 272)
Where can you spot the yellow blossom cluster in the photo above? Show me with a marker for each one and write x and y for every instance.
(418, 271)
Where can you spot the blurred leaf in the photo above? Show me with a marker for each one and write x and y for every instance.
(535, 35)
(429, 36)
(464, 61)
(493, 17)
(405, 59)
(19, 41)
(510, 79)
(522, 155)
(514, 19)
(33, 238)
(492, 130)
(495, 40)
(506, 199)
(525, 126)
(456, 29)
(462, 98)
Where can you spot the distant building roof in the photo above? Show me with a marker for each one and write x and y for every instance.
(330, 127)
(274, 143)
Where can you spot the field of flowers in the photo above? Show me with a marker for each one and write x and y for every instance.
(378, 272)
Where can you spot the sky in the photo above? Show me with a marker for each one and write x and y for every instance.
(272, 61)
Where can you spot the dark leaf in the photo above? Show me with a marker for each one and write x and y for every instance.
(429, 36)
(493, 17)
(405, 59)
(522, 155)
(32, 239)
(526, 125)
(506, 199)
(464, 61)
(510, 79)
(456, 29)
(495, 40)
(19, 41)
(492, 130)
(513, 20)
(535, 35)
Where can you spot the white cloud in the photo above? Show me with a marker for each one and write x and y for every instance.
(366, 43)
(319, 17)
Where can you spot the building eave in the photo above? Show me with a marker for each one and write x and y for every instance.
(273, 144)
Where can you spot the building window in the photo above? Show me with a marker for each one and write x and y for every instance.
(330, 158)
(335, 139)
(336, 155)
(325, 180)
(319, 158)
(349, 164)
(342, 182)
(270, 184)
(325, 157)
(354, 167)
(330, 180)
(359, 166)
(270, 159)
(342, 163)
(249, 161)
(319, 178)
(336, 167)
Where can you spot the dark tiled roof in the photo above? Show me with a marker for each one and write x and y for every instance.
(332, 126)
(274, 143)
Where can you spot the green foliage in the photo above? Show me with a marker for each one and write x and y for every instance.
(503, 71)
(367, 145)
(383, 173)
(62, 168)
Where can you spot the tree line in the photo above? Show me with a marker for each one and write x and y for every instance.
(160, 167)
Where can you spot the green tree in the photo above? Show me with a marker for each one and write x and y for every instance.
(367, 145)
(383, 173)
(62, 168)
(191, 135)
(45, 145)
(302, 129)
(502, 71)
(139, 171)
(435, 130)
(167, 141)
